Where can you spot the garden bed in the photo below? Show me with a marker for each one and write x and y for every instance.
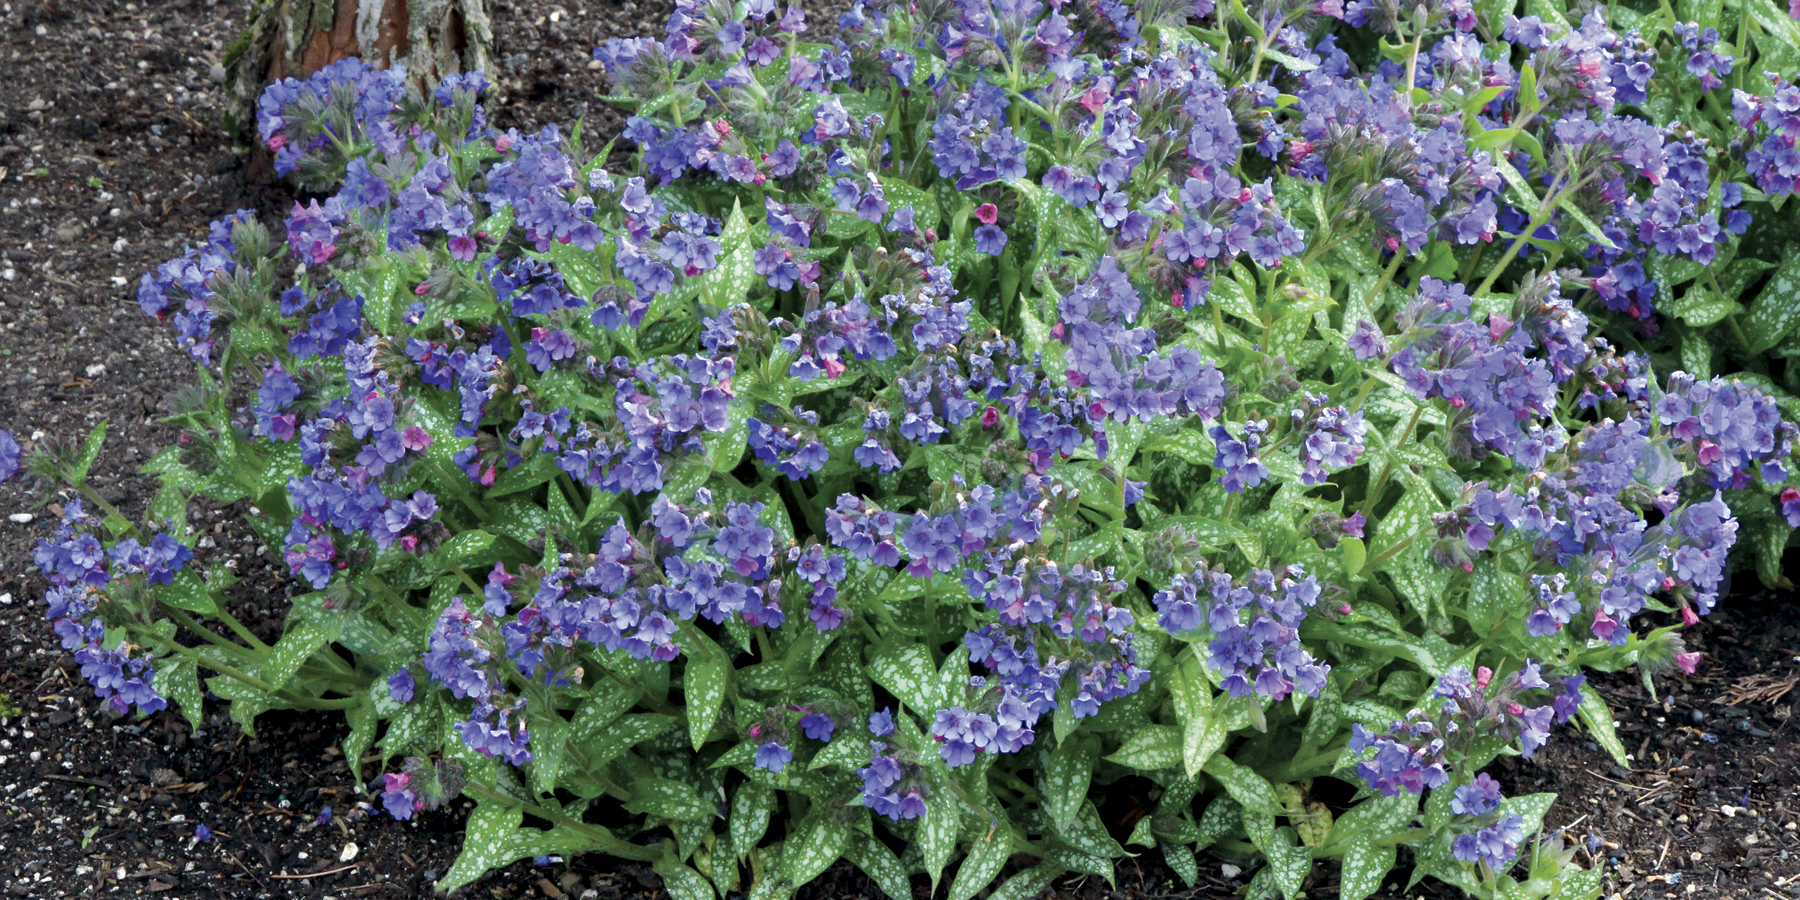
(110, 148)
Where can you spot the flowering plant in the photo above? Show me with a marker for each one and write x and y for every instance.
(923, 427)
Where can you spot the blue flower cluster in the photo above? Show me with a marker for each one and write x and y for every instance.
(1253, 622)
(792, 449)
(1774, 162)
(80, 572)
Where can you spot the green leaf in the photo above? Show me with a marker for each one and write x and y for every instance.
(1365, 867)
(414, 727)
(469, 550)
(1375, 818)
(1777, 308)
(908, 672)
(1203, 730)
(363, 719)
(750, 809)
(178, 679)
(705, 685)
(187, 592)
(486, 839)
(624, 734)
(984, 860)
(1243, 784)
(880, 864)
(294, 648)
(1700, 307)
(1599, 722)
(1181, 859)
(819, 845)
(1027, 885)
(1531, 808)
(668, 798)
(845, 752)
(937, 836)
(682, 882)
(90, 451)
(1151, 747)
(1067, 771)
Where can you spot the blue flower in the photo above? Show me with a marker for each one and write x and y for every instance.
(773, 756)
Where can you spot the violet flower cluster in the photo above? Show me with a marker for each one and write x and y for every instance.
(82, 574)
(1253, 623)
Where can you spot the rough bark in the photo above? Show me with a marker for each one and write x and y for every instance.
(294, 38)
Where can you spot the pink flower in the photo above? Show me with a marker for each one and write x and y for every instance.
(987, 213)
(1688, 661)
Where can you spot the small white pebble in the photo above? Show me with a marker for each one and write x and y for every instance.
(21, 518)
(6, 599)
(96, 370)
(348, 853)
(1230, 871)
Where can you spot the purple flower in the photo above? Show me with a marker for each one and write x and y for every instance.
(990, 239)
(881, 724)
(1478, 798)
(202, 833)
(773, 756)
(818, 727)
(400, 686)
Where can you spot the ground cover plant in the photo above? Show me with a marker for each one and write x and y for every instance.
(713, 487)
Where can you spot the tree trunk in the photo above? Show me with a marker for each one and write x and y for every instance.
(294, 38)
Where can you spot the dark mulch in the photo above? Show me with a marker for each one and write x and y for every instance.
(111, 160)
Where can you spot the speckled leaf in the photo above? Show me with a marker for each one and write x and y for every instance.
(417, 723)
(1365, 866)
(1143, 834)
(1243, 784)
(725, 449)
(820, 843)
(1028, 884)
(1529, 807)
(907, 671)
(845, 751)
(986, 855)
(178, 679)
(294, 648)
(523, 522)
(1777, 308)
(668, 798)
(471, 549)
(187, 592)
(1599, 721)
(937, 835)
(1376, 817)
(1181, 859)
(1223, 818)
(750, 809)
(609, 701)
(363, 719)
(705, 684)
(628, 732)
(880, 864)
(1577, 884)
(1066, 776)
(1089, 835)
(682, 882)
(1202, 730)
(1151, 747)
(1290, 865)
(486, 839)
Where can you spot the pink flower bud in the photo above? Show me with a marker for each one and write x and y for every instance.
(989, 417)
(1688, 617)
(1483, 675)
(756, 731)
(420, 290)
(1688, 661)
(833, 368)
